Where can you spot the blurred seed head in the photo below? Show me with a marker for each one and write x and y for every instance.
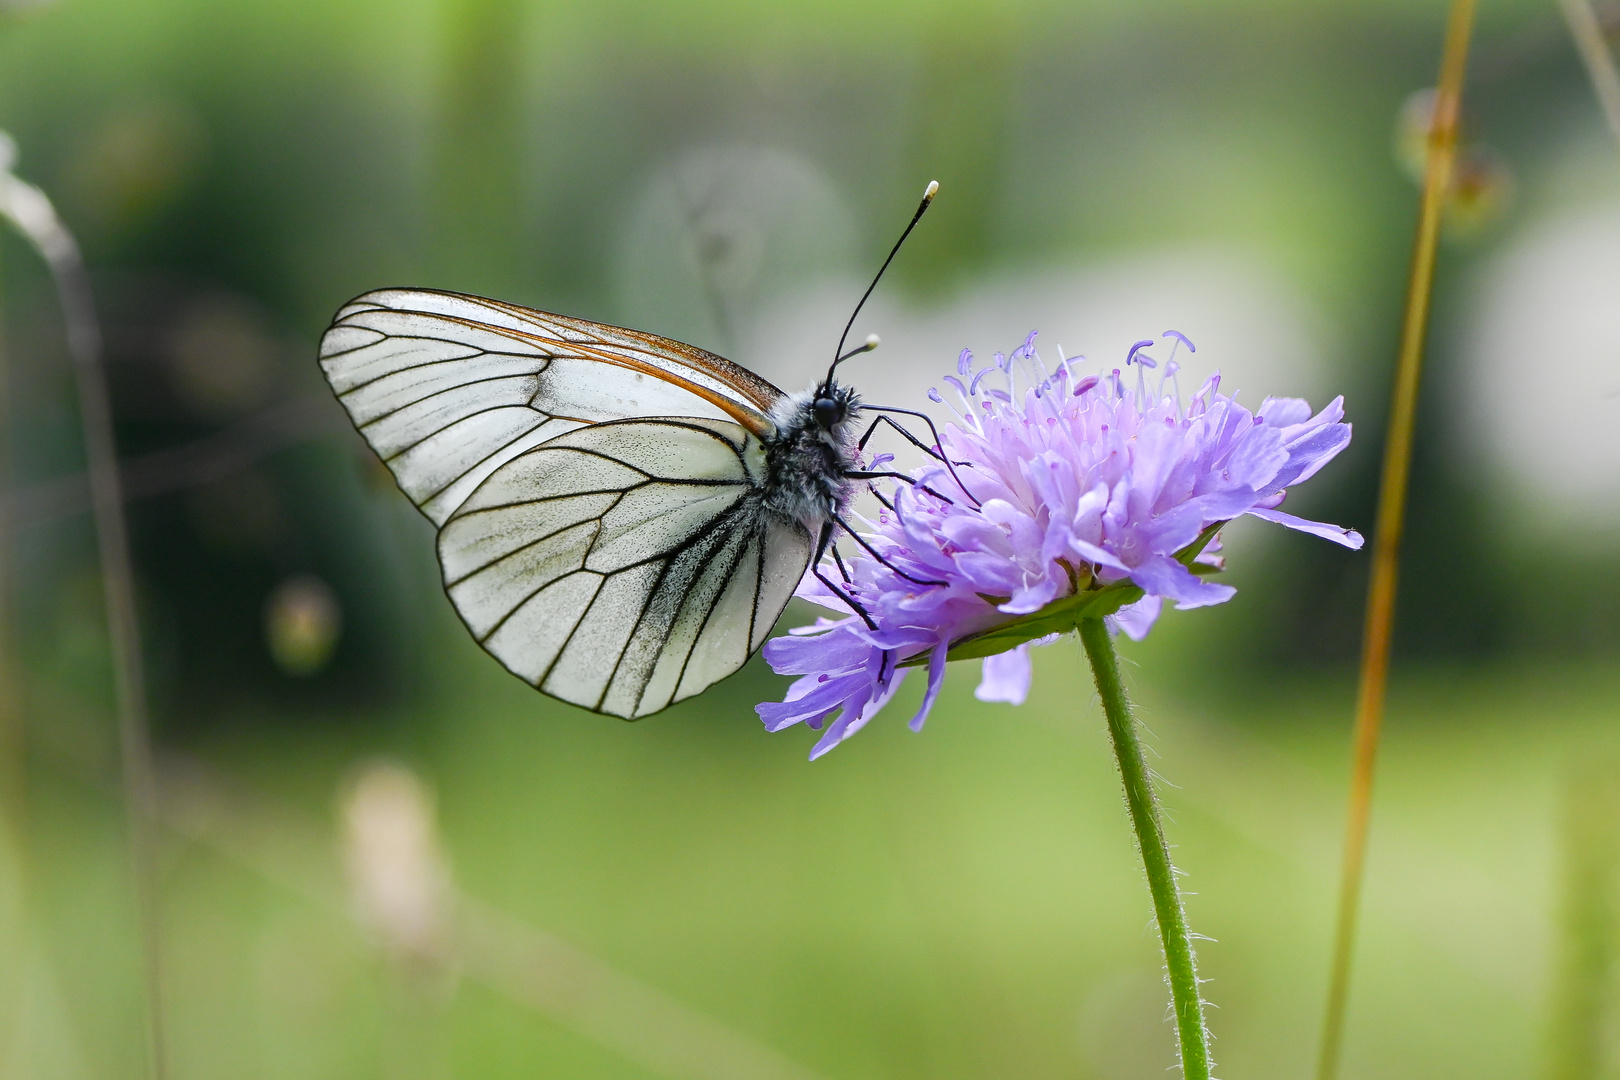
(134, 163)
(302, 621)
(399, 879)
(1412, 126)
(222, 355)
(1482, 189)
(1482, 182)
(717, 231)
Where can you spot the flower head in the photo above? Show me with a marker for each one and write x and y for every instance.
(1056, 496)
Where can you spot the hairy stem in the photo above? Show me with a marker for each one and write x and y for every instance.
(1161, 875)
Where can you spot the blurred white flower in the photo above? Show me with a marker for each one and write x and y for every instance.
(399, 879)
(1544, 369)
(1482, 182)
(714, 233)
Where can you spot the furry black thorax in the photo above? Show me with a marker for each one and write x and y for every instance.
(810, 451)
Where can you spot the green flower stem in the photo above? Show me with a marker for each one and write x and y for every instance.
(1161, 875)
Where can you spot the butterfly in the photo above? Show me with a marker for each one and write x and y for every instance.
(622, 517)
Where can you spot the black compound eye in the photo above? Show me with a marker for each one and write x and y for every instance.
(829, 413)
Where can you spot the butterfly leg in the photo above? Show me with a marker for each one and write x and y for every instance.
(879, 474)
(908, 436)
(936, 451)
(822, 543)
(838, 561)
(872, 551)
(887, 665)
(878, 495)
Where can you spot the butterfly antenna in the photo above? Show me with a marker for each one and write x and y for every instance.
(839, 355)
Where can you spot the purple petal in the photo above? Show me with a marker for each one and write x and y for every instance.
(1161, 575)
(989, 573)
(1285, 412)
(1097, 555)
(936, 679)
(1307, 455)
(835, 650)
(1031, 598)
(1135, 620)
(1259, 459)
(810, 699)
(834, 734)
(1338, 534)
(1006, 676)
(850, 721)
(1226, 505)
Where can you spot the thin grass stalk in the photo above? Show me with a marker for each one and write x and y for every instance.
(13, 736)
(13, 779)
(1391, 521)
(30, 210)
(1594, 49)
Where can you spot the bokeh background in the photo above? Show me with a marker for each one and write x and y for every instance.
(384, 857)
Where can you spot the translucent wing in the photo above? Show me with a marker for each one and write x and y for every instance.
(448, 388)
(627, 565)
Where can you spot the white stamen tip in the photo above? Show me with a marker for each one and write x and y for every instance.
(933, 186)
(873, 341)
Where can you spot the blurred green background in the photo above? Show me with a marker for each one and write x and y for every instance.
(671, 897)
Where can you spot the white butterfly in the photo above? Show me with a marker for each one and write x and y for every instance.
(622, 517)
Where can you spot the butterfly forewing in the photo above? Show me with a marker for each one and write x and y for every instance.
(624, 566)
(448, 388)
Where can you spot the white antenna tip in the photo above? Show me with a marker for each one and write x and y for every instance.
(873, 341)
(933, 186)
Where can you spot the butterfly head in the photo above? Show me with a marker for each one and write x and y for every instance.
(833, 407)
(818, 424)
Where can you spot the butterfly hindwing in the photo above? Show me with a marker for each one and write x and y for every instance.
(626, 565)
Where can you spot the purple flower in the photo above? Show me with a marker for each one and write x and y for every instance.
(1070, 496)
